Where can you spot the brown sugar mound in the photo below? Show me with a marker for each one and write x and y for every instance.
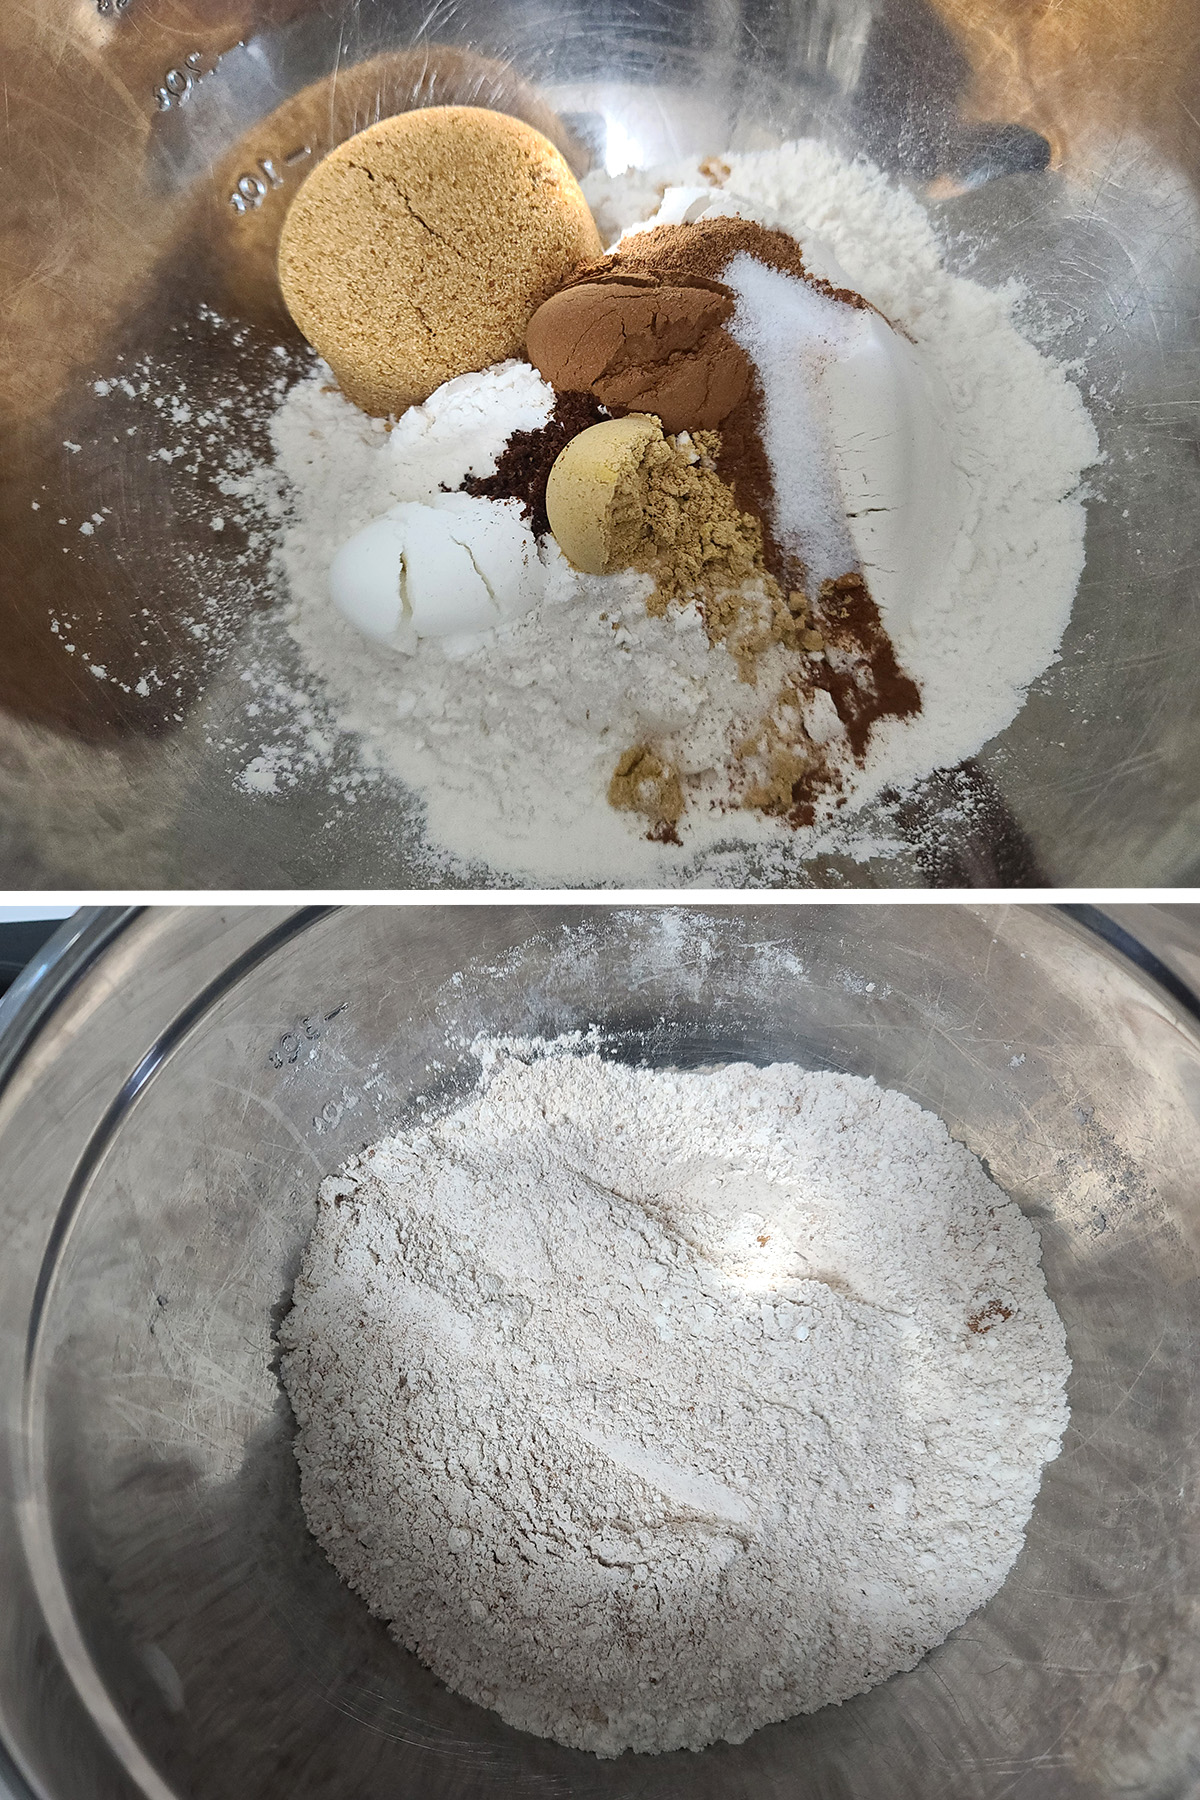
(240, 233)
(420, 248)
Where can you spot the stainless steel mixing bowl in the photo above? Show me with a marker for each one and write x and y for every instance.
(176, 1085)
(151, 149)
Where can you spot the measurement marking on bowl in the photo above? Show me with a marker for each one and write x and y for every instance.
(177, 83)
(252, 189)
(290, 1044)
(331, 1113)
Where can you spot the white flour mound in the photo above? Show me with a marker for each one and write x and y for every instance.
(511, 747)
(650, 1407)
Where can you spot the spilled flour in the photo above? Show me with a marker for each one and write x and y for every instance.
(650, 1407)
(510, 746)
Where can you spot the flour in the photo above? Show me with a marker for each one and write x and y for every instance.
(505, 751)
(650, 1407)
(511, 747)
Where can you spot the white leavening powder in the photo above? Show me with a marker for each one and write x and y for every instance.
(788, 328)
(511, 747)
(649, 1407)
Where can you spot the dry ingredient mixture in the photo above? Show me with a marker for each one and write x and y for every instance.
(848, 554)
(650, 725)
(650, 1407)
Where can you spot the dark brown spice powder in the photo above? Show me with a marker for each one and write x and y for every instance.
(523, 466)
(849, 621)
(993, 1313)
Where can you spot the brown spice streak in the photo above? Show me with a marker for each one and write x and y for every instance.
(993, 1313)
(742, 461)
(849, 621)
(693, 254)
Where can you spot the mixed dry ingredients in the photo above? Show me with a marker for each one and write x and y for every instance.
(648, 1407)
(654, 563)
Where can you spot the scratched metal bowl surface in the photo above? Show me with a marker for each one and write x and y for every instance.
(152, 148)
(168, 1107)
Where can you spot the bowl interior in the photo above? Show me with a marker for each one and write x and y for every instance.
(180, 144)
(199, 1627)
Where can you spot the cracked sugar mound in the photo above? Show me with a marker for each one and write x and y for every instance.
(420, 249)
